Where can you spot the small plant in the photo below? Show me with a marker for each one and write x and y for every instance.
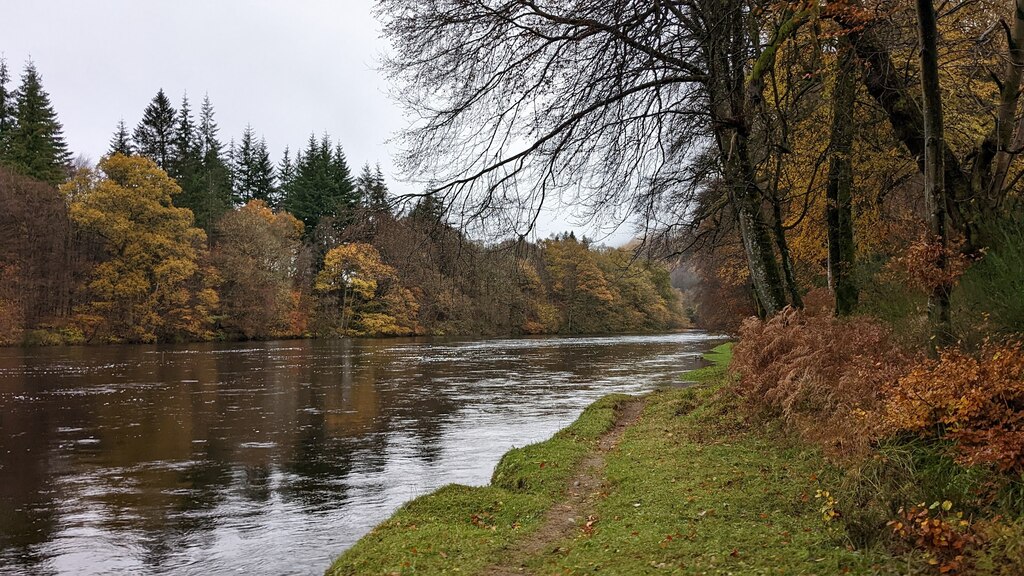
(944, 536)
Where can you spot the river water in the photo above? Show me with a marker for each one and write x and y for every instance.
(272, 458)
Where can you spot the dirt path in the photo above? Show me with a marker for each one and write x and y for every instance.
(572, 514)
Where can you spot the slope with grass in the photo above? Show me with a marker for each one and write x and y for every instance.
(689, 488)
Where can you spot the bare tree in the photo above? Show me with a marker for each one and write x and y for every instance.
(599, 104)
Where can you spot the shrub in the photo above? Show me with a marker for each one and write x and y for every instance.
(821, 374)
(975, 400)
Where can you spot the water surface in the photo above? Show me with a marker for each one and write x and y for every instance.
(272, 458)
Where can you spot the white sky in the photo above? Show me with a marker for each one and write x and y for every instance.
(289, 68)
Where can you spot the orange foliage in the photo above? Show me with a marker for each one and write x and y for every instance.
(978, 401)
(919, 264)
(944, 536)
(821, 374)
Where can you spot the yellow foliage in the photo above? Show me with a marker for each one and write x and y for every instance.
(149, 285)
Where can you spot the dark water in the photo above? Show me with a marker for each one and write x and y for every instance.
(272, 458)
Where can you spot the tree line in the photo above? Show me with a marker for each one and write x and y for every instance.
(867, 148)
(175, 236)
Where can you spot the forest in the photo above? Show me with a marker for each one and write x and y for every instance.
(175, 236)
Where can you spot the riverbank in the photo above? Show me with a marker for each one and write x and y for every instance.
(688, 488)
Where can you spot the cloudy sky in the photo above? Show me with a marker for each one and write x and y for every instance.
(288, 67)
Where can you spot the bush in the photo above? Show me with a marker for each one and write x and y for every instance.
(975, 400)
(822, 375)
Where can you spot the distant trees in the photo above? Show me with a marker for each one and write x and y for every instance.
(253, 171)
(121, 141)
(119, 253)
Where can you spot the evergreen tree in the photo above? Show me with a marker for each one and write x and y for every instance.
(262, 173)
(373, 190)
(187, 149)
(121, 142)
(6, 105)
(322, 186)
(285, 173)
(156, 133)
(253, 171)
(213, 189)
(35, 144)
(244, 188)
(186, 162)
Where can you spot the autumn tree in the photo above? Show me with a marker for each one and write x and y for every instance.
(34, 142)
(149, 283)
(582, 291)
(254, 253)
(362, 295)
(35, 251)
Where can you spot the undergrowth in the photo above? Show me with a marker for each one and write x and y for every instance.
(931, 451)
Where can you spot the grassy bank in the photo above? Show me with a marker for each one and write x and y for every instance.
(690, 489)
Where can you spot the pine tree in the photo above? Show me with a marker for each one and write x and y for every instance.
(156, 133)
(121, 142)
(6, 105)
(35, 144)
(262, 173)
(285, 174)
(186, 162)
(213, 189)
(373, 190)
(322, 186)
(244, 188)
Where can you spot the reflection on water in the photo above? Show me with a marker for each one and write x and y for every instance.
(272, 458)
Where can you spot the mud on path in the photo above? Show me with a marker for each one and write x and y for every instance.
(574, 513)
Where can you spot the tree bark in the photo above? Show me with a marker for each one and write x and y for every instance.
(934, 148)
(839, 194)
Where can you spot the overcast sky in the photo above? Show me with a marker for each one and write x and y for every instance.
(288, 67)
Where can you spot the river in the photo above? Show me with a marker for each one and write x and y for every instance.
(272, 458)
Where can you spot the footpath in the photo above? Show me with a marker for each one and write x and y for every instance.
(675, 482)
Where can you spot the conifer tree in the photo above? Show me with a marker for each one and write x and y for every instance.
(35, 144)
(6, 105)
(156, 133)
(262, 173)
(121, 142)
(186, 162)
(322, 186)
(373, 190)
(213, 189)
(285, 173)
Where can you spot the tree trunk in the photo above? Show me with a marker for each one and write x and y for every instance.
(779, 232)
(839, 197)
(934, 148)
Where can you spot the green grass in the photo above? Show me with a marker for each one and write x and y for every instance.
(720, 357)
(692, 488)
(460, 529)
